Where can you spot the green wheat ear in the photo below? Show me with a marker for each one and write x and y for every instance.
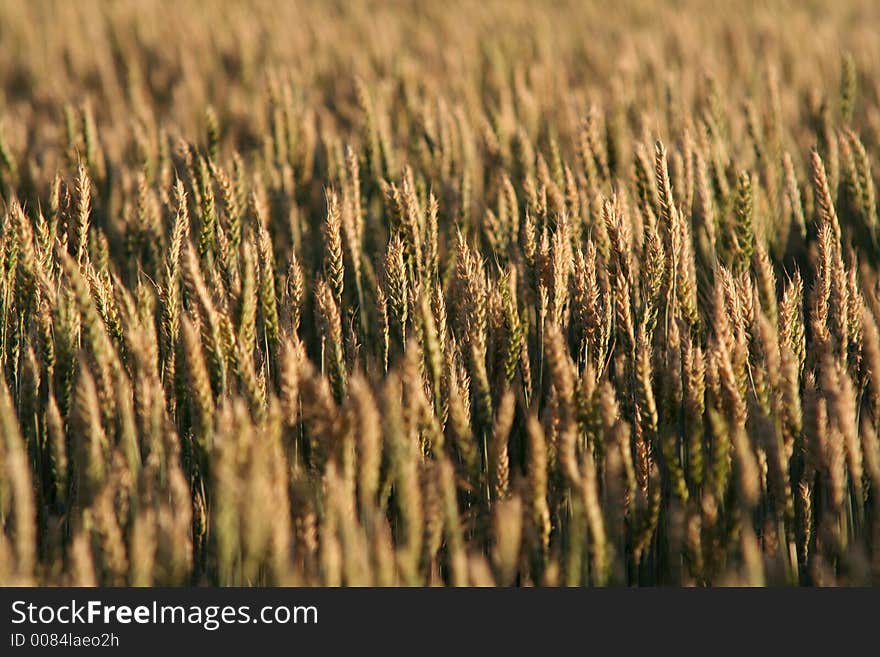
(743, 228)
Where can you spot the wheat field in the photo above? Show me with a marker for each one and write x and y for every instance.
(439, 293)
